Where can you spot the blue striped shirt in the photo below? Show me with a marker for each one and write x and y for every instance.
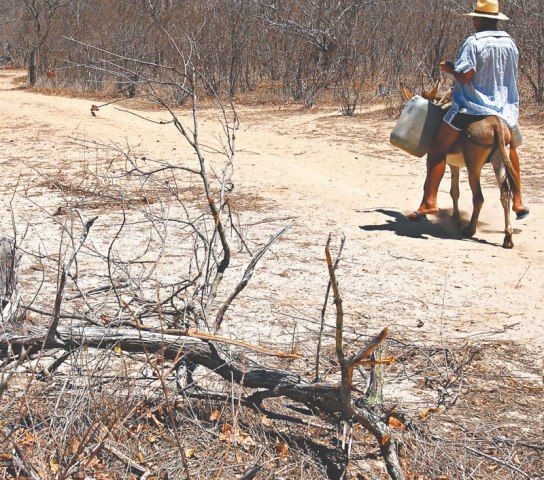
(493, 90)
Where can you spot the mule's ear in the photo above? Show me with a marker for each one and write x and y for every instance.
(432, 94)
(407, 93)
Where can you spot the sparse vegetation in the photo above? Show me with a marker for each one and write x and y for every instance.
(128, 343)
(306, 49)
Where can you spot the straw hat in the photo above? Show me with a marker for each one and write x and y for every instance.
(487, 9)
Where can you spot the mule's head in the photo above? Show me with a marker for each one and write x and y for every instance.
(433, 95)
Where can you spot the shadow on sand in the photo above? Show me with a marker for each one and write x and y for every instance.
(445, 228)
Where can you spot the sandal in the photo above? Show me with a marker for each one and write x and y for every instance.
(416, 216)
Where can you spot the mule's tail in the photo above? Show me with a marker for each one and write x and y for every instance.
(512, 177)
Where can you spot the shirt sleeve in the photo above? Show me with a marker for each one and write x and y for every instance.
(466, 58)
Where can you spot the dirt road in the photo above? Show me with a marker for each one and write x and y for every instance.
(334, 174)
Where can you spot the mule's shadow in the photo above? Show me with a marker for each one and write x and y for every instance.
(445, 228)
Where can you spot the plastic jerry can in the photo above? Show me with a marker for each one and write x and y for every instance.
(417, 126)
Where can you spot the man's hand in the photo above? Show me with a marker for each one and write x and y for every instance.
(447, 67)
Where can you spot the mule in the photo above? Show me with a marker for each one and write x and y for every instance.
(482, 142)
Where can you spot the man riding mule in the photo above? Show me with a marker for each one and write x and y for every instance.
(485, 90)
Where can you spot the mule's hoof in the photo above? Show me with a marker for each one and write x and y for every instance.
(522, 214)
(509, 244)
(468, 232)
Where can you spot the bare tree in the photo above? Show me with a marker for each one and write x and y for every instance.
(39, 18)
(301, 48)
(528, 18)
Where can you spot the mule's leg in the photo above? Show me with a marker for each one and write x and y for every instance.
(454, 192)
(477, 198)
(500, 174)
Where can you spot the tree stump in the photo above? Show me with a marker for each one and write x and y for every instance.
(9, 280)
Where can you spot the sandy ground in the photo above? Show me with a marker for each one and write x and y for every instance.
(332, 174)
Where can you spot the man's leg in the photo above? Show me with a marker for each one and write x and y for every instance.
(517, 203)
(436, 166)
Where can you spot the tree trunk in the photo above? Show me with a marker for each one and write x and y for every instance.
(32, 68)
(9, 287)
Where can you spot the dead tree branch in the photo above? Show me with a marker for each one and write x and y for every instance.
(379, 428)
(246, 277)
(86, 224)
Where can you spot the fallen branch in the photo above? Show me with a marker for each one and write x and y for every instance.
(498, 460)
(215, 338)
(133, 465)
(319, 397)
(328, 400)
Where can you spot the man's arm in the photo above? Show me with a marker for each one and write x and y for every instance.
(448, 67)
